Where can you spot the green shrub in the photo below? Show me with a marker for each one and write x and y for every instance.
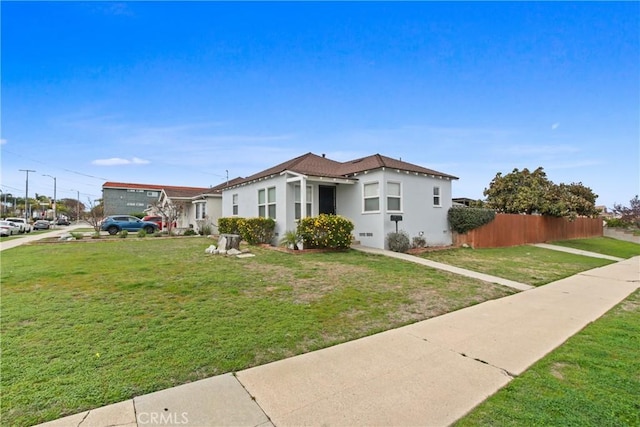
(205, 230)
(157, 234)
(617, 223)
(256, 230)
(96, 235)
(142, 233)
(463, 219)
(290, 239)
(229, 225)
(398, 242)
(325, 231)
(77, 236)
(252, 230)
(189, 232)
(123, 234)
(418, 242)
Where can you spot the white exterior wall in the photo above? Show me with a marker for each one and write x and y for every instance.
(248, 201)
(371, 228)
(417, 209)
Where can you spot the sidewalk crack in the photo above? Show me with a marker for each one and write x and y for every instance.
(504, 371)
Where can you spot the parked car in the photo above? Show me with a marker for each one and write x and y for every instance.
(62, 221)
(25, 227)
(116, 223)
(8, 228)
(41, 224)
(156, 219)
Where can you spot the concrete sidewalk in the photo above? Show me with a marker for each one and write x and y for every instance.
(430, 373)
(33, 237)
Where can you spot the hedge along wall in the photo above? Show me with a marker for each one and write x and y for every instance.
(513, 230)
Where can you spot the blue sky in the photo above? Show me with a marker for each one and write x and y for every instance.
(184, 93)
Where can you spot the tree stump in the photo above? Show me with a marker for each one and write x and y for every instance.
(229, 241)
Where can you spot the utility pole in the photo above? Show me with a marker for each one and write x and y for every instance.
(77, 208)
(26, 195)
(55, 203)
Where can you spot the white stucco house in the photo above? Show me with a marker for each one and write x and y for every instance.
(368, 191)
(200, 206)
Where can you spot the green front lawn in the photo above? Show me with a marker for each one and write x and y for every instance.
(591, 380)
(525, 264)
(92, 322)
(603, 245)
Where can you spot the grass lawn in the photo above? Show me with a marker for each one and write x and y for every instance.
(603, 245)
(525, 264)
(591, 380)
(93, 322)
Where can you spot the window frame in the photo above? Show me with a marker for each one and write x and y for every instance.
(297, 201)
(265, 202)
(395, 197)
(234, 204)
(366, 198)
(437, 196)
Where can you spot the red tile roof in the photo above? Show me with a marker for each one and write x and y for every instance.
(121, 185)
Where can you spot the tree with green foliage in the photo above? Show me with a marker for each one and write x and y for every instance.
(525, 192)
(629, 215)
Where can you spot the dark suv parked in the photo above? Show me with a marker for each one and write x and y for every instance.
(116, 223)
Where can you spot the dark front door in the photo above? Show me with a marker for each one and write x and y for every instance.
(327, 197)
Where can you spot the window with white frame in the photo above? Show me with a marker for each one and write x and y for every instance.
(436, 196)
(271, 202)
(298, 201)
(201, 210)
(153, 193)
(234, 203)
(267, 202)
(394, 196)
(371, 194)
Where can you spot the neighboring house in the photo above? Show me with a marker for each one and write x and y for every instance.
(199, 206)
(121, 198)
(368, 191)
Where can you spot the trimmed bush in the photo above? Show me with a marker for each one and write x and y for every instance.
(325, 231)
(229, 225)
(123, 234)
(252, 230)
(257, 230)
(463, 219)
(142, 233)
(189, 232)
(418, 242)
(77, 236)
(398, 242)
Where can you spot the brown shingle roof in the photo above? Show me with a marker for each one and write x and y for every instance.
(314, 165)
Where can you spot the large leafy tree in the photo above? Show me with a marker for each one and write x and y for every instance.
(629, 214)
(532, 192)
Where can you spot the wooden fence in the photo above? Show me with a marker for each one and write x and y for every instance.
(513, 230)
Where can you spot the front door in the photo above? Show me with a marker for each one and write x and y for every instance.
(327, 196)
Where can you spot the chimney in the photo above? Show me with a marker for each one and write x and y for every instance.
(323, 155)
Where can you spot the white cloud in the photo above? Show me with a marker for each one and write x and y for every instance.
(117, 161)
(3, 141)
(555, 126)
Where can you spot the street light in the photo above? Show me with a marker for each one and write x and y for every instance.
(55, 203)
